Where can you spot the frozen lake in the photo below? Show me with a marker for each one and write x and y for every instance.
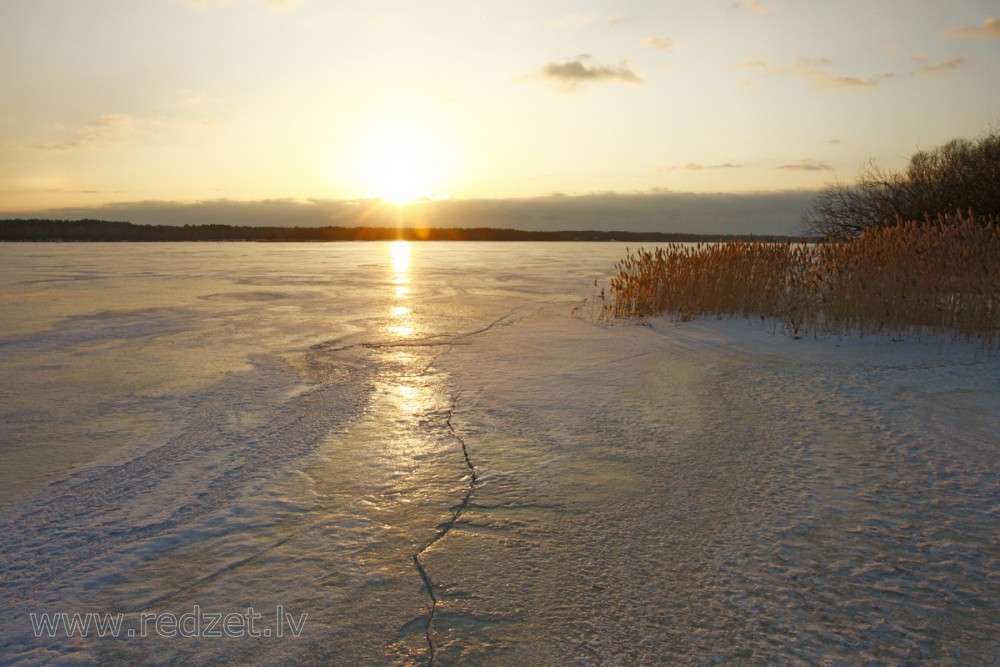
(413, 453)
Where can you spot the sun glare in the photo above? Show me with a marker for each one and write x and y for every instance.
(400, 160)
(400, 253)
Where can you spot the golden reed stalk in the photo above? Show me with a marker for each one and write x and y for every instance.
(909, 278)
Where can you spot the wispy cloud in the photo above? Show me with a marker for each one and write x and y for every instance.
(990, 29)
(114, 130)
(805, 165)
(190, 100)
(661, 43)
(110, 130)
(280, 5)
(947, 65)
(815, 71)
(759, 65)
(925, 65)
(812, 70)
(758, 7)
(694, 166)
(573, 74)
(572, 21)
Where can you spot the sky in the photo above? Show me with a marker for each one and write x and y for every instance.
(149, 106)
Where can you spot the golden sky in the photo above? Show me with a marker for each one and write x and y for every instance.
(195, 100)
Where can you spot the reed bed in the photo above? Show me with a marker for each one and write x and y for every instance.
(911, 278)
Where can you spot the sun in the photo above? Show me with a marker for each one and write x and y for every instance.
(400, 160)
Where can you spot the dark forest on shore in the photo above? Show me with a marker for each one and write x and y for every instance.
(105, 231)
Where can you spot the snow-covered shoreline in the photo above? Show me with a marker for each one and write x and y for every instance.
(740, 495)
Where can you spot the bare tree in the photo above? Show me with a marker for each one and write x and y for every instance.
(961, 175)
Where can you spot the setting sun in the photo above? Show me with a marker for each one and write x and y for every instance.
(400, 160)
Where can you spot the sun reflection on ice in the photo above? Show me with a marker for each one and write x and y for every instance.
(399, 253)
(412, 399)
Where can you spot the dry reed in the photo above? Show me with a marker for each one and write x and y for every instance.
(910, 278)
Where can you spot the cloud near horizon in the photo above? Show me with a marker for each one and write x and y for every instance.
(806, 165)
(694, 166)
(573, 74)
(776, 212)
(990, 29)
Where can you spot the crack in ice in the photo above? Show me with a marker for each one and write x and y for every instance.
(444, 528)
(447, 342)
(437, 340)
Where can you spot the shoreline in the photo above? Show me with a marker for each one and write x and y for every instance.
(67, 231)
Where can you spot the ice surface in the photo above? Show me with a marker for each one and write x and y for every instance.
(223, 426)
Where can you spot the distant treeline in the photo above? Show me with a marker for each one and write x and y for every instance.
(103, 231)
